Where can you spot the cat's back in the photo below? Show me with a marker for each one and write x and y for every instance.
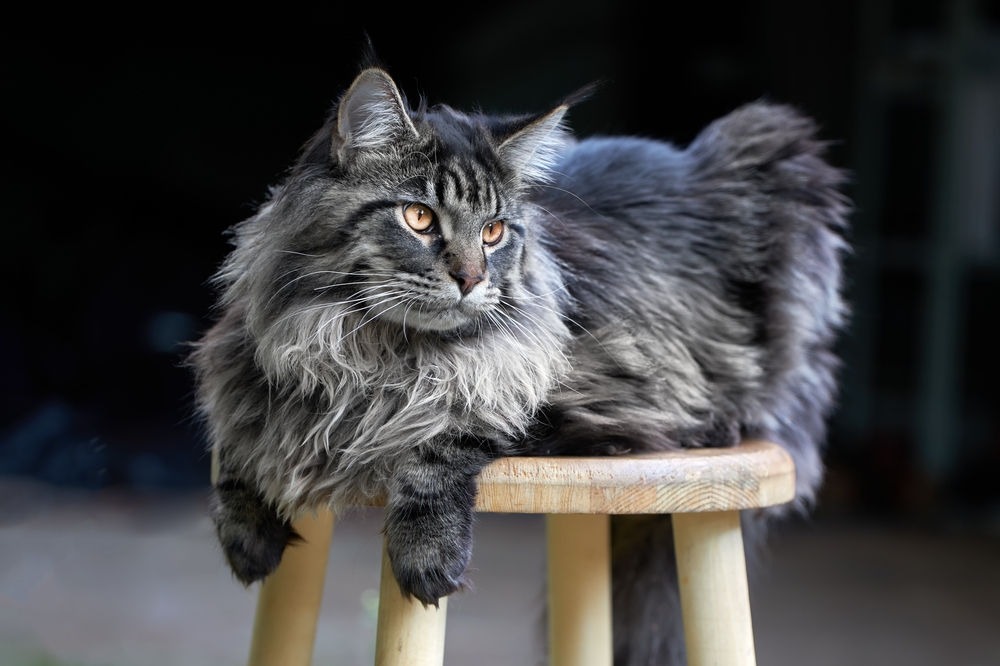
(627, 216)
(716, 214)
(635, 195)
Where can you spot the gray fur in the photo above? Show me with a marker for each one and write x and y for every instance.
(642, 297)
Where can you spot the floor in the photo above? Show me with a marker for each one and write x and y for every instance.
(121, 579)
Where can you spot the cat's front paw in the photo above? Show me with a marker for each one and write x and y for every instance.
(252, 534)
(430, 555)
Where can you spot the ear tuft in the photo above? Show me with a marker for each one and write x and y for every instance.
(371, 114)
(532, 149)
(369, 57)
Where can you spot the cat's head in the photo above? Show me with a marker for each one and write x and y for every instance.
(413, 216)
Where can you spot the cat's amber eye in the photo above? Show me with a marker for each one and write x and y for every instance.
(493, 232)
(418, 216)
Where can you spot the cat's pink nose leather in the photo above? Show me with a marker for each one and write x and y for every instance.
(466, 281)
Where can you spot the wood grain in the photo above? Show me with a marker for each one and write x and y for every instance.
(754, 474)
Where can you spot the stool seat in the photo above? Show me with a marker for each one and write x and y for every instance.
(704, 489)
(752, 475)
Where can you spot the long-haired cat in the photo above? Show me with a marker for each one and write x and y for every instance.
(430, 290)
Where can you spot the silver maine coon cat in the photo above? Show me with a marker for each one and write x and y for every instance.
(430, 290)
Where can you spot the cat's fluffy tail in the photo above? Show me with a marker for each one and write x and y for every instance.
(798, 218)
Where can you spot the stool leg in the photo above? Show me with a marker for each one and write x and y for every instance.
(284, 629)
(408, 634)
(715, 600)
(579, 554)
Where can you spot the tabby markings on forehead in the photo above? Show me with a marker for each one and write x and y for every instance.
(446, 175)
(473, 184)
(464, 182)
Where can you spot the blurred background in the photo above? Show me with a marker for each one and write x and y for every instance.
(132, 139)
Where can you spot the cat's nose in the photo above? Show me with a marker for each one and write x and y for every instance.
(466, 279)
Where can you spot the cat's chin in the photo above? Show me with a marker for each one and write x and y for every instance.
(440, 322)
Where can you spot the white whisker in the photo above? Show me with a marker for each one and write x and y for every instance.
(554, 216)
(574, 195)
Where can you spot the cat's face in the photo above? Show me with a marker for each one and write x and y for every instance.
(445, 250)
(428, 208)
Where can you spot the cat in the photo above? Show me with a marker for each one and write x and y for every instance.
(430, 290)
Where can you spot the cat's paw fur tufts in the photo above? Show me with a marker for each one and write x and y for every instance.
(428, 585)
(426, 567)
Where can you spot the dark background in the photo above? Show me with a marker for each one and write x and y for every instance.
(131, 141)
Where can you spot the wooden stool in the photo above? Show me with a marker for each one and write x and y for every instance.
(703, 488)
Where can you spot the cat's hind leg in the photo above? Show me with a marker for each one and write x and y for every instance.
(252, 534)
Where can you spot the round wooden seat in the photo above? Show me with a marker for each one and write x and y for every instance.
(704, 489)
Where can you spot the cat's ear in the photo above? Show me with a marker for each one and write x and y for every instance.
(371, 114)
(531, 145)
(531, 149)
